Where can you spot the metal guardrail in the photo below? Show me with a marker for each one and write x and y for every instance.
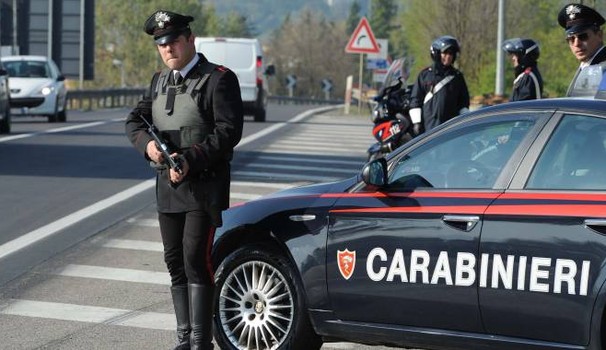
(103, 98)
(128, 97)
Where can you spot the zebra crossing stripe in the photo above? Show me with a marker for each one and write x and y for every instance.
(114, 274)
(134, 245)
(299, 167)
(90, 314)
(311, 160)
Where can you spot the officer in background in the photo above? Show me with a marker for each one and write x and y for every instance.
(528, 84)
(440, 92)
(584, 36)
(197, 108)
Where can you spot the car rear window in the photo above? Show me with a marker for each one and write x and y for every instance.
(232, 55)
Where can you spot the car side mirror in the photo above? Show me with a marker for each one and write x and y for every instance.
(270, 70)
(375, 173)
(3, 71)
(61, 78)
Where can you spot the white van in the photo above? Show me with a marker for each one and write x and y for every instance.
(245, 58)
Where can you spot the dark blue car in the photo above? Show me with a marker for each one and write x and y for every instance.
(486, 233)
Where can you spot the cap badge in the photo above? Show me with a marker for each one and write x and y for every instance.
(572, 11)
(161, 18)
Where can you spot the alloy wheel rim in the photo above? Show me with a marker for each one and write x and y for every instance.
(256, 307)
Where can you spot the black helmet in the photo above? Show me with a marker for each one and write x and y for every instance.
(443, 44)
(527, 50)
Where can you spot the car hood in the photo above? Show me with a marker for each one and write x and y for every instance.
(27, 86)
(308, 190)
(298, 199)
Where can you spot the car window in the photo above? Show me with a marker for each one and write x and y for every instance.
(27, 69)
(469, 158)
(574, 158)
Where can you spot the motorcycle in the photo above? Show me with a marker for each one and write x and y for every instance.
(392, 124)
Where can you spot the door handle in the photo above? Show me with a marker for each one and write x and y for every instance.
(461, 222)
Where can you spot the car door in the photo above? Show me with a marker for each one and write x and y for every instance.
(408, 253)
(543, 245)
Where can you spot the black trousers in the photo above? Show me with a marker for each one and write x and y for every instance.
(187, 239)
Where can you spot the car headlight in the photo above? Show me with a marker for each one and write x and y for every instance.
(47, 90)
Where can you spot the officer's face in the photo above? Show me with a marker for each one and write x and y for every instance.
(178, 54)
(447, 58)
(514, 60)
(585, 44)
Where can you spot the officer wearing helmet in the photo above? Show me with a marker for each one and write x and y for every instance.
(440, 92)
(584, 36)
(528, 84)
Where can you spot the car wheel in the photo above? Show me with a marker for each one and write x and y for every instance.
(5, 123)
(55, 117)
(260, 304)
(62, 116)
(260, 115)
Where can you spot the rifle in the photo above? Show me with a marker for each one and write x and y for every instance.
(174, 163)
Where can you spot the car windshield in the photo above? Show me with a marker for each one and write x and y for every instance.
(27, 69)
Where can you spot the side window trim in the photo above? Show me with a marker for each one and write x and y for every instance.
(525, 168)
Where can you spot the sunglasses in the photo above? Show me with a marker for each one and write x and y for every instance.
(579, 37)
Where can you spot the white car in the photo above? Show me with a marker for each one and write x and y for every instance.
(37, 87)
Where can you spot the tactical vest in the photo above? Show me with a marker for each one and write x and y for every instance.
(176, 112)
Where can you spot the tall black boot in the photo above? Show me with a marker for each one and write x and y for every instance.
(181, 304)
(201, 313)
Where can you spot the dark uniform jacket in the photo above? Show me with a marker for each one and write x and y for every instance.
(528, 84)
(597, 59)
(204, 124)
(447, 102)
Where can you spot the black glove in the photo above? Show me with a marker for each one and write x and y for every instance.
(417, 129)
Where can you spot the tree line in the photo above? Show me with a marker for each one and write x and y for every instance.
(311, 46)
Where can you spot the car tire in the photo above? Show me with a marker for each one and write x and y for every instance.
(260, 304)
(260, 115)
(5, 123)
(62, 116)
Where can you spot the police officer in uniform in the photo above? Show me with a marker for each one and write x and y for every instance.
(584, 35)
(528, 84)
(440, 92)
(197, 108)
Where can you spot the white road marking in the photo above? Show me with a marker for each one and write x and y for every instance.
(247, 196)
(114, 274)
(300, 167)
(134, 245)
(48, 230)
(283, 176)
(310, 160)
(90, 314)
(144, 222)
(280, 186)
(56, 130)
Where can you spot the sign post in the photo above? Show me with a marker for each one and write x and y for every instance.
(291, 82)
(327, 88)
(362, 41)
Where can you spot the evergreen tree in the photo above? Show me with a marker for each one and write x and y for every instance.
(354, 16)
(382, 16)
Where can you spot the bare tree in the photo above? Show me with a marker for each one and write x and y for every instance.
(312, 49)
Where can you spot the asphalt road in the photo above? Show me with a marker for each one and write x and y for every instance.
(80, 248)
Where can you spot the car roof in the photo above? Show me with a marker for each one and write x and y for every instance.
(581, 104)
(25, 58)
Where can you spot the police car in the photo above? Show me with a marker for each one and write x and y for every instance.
(488, 232)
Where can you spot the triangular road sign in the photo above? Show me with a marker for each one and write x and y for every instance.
(362, 40)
